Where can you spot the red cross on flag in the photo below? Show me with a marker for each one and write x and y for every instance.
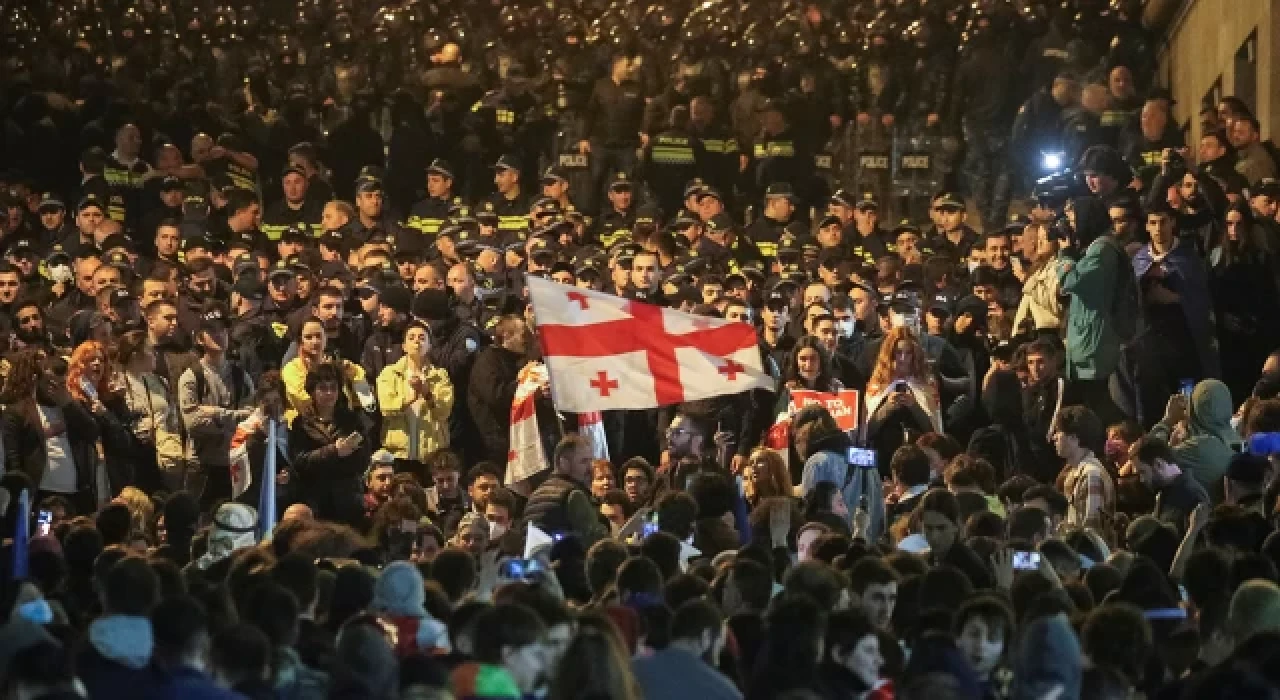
(604, 352)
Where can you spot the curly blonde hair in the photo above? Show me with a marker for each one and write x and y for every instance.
(142, 510)
(882, 375)
(777, 481)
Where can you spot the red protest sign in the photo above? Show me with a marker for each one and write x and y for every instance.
(842, 406)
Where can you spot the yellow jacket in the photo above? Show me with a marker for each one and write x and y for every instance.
(394, 394)
(297, 400)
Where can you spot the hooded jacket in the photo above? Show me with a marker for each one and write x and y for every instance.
(828, 461)
(1093, 344)
(115, 661)
(1208, 447)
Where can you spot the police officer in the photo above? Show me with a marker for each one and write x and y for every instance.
(509, 203)
(54, 225)
(295, 209)
(673, 157)
(371, 216)
(722, 159)
(172, 197)
(864, 231)
(775, 152)
(779, 205)
(555, 186)
(617, 221)
(125, 173)
(950, 234)
(427, 216)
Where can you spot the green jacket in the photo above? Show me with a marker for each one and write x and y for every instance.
(1093, 346)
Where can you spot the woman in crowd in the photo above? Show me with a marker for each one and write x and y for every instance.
(312, 342)
(89, 382)
(809, 367)
(1005, 441)
(1242, 282)
(901, 399)
(602, 479)
(48, 435)
(939, 517)
(1041, 305)
(764, 477)
(330, 448)
(154, 419)
(416, 399)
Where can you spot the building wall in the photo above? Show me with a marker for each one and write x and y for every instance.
(1202, 44)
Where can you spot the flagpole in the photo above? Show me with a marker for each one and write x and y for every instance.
(21, 536)
(267, 496)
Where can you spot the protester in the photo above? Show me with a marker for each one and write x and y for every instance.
(295, 408)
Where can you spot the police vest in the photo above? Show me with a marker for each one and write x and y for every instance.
(672, 150)
(775, 149)
(720, 146)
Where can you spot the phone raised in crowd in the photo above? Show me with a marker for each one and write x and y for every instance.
(1186, 387)
(520, 569)
(864, 457)
(44, 523)
(1026, 561)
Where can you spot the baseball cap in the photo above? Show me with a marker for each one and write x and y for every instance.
(89, 201)
(867, 201)
(780, 189)
(397, 298)
(1268, 186)
(22, 247)
(294, 234)
(116, 240)
(382, 458)
(554, 173)
(333, 239)
(720, 222)
(244, 263)
(948, 200)
(709, 191)
(249, 287)
(507, 161)
(693, 187)
(843, 198)
(200, 242)
(170, 183)
(121, 296)
(281, 269)
(441, 167)
(118, 259)
(620, 181)
(214, 319)
(292, 169)
(830, 220)
(368, 184)
(50, 203)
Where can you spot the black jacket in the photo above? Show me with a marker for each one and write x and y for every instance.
(615, 113)
(489, 395)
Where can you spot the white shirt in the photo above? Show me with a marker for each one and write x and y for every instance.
(60, 472)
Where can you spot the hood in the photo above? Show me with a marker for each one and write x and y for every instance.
(124, 639)
(1048, 655)
(1210, 412)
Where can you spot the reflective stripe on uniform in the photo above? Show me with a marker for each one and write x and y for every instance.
(513, 223)
(673, 155)
(775, 149)
(769, 249)
(424, 224)
(608, 238)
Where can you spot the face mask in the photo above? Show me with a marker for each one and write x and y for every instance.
(37, 611)
(847, 327)
(496, 530)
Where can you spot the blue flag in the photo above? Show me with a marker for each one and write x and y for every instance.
(21, 535)
(267, 493)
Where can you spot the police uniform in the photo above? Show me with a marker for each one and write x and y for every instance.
(512, 213)
(674, 156)
(280, 216)
(614, 226)
(124, 187)
(427, 216)
(766, 233)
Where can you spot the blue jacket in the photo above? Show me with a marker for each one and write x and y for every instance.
(1186, 276)
(829, 462)
(190, 684)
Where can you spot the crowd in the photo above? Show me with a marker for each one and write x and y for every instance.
(264, 326)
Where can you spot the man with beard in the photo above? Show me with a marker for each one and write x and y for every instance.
(172, 348)
(201, 283)
(10, 285)
(1041, 400)
(341, 343)
(384, 346)
(28, 327)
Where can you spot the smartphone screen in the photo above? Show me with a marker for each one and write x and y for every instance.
(1187, 386)
(44, 523)
(862, 457)
(1026, 561)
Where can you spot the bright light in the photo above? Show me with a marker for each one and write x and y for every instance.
(1051, 161)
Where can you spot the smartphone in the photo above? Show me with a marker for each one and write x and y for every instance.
(1186, 386)
(650, 526)
(862, 457)
(44, 523)
(90, 391)
(1026, 561)
(520, 569)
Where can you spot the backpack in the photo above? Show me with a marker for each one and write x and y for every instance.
(1126, 307)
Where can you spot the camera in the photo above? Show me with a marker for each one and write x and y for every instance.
(1053, 190)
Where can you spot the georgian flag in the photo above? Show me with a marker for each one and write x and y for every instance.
(525, 457)
(608, 353)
